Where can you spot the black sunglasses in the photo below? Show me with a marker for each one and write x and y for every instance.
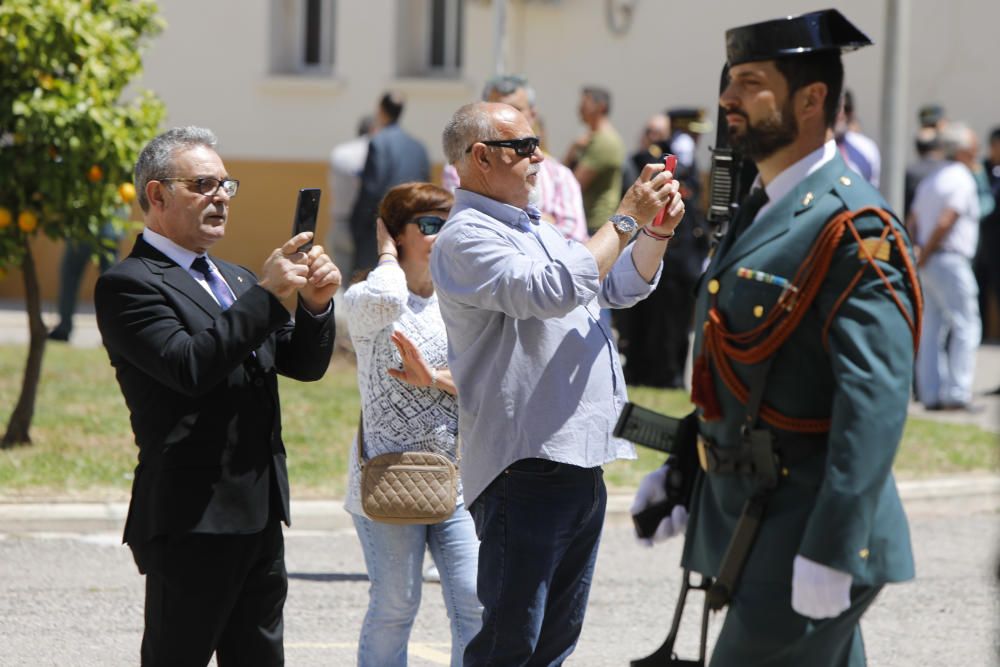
(525, 147)
(429, 225)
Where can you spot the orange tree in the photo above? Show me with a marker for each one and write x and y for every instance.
(68, 138)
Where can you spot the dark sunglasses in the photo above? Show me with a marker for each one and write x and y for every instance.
(525, 147)
(429, 225)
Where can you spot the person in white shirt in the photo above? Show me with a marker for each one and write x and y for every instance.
(347, 160)
(944, 222)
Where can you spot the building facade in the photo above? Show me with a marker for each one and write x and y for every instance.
(282, 81)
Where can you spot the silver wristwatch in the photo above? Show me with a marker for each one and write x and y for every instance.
(624, 224)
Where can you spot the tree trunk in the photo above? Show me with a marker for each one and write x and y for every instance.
(20, 419)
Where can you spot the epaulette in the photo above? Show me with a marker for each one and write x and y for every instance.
(856, 192)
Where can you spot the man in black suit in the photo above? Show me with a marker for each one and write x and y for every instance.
(197, 344)
(394, 157)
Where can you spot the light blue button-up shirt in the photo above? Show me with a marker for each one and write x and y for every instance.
(537, 373)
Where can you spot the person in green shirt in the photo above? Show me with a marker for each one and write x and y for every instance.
(596, 158)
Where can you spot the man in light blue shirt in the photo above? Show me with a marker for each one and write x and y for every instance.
(540, 385)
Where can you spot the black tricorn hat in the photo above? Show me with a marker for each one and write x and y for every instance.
(825, 30)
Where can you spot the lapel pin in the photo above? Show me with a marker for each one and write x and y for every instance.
(807, 199)
(239, 278)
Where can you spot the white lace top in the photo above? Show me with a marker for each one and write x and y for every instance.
(397, 416)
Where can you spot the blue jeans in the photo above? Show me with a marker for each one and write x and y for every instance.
(946, 360)
(394, 557)
(540, 525)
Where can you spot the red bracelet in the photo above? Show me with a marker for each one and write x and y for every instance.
(658, 237)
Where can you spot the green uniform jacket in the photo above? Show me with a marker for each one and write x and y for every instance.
(839, 507)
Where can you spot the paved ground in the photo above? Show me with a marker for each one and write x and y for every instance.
(70, 595)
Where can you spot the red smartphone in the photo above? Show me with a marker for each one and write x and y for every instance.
(669, 164)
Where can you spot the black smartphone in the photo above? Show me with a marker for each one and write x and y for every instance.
(306, 210)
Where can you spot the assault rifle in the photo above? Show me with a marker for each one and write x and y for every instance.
(729, 177)
(678, 438)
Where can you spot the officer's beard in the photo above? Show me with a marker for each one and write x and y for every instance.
(761, 141)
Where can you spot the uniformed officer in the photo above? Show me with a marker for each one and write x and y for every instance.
(806, 325)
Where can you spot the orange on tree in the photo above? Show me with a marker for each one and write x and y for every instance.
(127, 192)
(27, 221)
(6, 217)
(95, 173)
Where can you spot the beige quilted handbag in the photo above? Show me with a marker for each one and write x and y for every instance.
(407, 487)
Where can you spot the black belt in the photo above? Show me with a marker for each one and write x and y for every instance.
(743, 460)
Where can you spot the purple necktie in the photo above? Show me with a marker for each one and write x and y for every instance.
(215, 282)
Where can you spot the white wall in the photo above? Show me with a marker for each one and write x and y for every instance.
(671, 56)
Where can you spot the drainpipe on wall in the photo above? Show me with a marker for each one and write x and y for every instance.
(895, 86)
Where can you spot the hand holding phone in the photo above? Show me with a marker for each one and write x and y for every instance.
(306, 211)
(670, 164)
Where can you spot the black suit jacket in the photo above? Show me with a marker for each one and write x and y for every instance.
(201, 386)
(394, 157)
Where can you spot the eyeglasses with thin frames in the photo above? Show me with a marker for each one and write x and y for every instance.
(429, 225)
(209, 186)
(524, 147)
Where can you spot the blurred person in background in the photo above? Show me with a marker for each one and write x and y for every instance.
(596, 158)
(987, 263)
(654, 334)
(393, 157)
(929, 156)
(76, 256)
(859, 152)
(347, 160)
(944, 225)
(654, 135)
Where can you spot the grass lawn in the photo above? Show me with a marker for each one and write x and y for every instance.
(83, 446)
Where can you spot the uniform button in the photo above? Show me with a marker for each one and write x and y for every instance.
(713, 286)
(845, 180)
(758, 311)
(258, 382)
(864, 553)
(807, 199)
